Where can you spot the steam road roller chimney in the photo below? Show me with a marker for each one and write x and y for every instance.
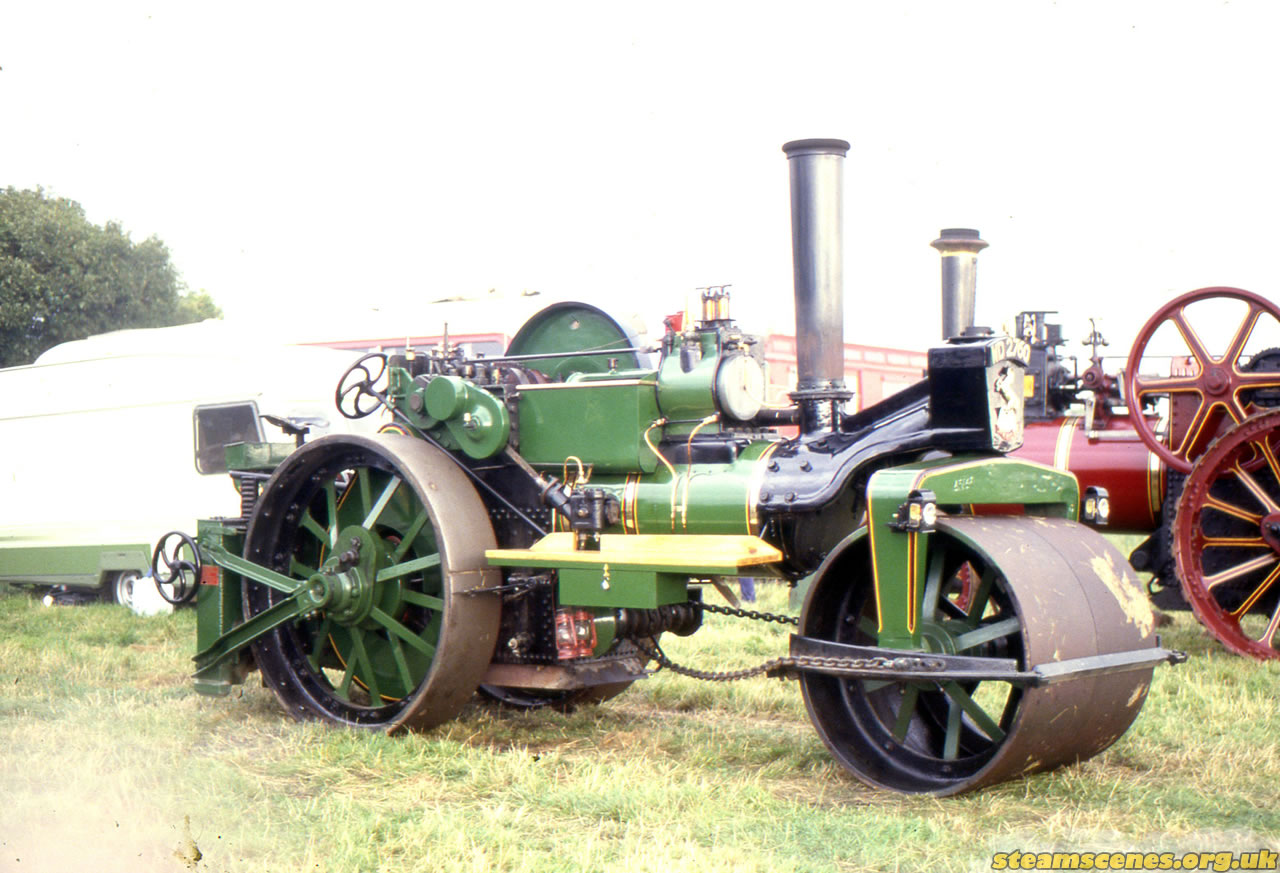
(959, 247)
(817, 181)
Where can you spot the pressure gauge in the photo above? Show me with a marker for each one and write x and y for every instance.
(740, 387)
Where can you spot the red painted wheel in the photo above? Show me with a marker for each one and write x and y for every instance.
(1220, 390)
(1226, 538)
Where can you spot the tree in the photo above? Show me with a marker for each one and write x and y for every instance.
(196, 306)
(64, 278)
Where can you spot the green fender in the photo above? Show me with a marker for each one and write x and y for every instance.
(962, 485)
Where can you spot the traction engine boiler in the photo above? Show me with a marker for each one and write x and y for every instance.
(528, 527)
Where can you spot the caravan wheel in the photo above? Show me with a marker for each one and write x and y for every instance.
(120, 588)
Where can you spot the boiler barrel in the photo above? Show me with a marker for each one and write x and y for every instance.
(1111, 456)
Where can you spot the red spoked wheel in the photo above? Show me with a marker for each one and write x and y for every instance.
(1226, 538)
(1220, 390)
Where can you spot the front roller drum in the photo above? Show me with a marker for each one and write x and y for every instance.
(376, 544)
(1036, 591)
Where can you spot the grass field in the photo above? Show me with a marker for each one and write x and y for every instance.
(112, 763)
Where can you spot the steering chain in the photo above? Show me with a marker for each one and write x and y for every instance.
(799, 662)
(781, 665)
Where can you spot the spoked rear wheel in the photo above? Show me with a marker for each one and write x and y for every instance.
(986, 595)
(386, 537)
(1226, 538)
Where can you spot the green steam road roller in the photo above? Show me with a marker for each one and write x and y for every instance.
(527, 527)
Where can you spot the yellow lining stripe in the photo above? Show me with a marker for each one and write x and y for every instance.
(875, 569)
(754, 486)
(1202, 412)
(1155, 485)
(921, 478)
(629, 504)
(1062, 449)
(913, 540)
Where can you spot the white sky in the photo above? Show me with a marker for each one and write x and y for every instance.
(325, 157)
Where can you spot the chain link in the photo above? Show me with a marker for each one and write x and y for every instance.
(800, 662)
(752, 614)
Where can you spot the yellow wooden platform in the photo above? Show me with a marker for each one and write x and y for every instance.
(667, 553)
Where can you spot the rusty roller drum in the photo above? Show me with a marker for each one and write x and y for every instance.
(390, 536)
(1033, 590)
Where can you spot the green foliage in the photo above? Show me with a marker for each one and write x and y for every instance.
(196, 306)
(64, 278)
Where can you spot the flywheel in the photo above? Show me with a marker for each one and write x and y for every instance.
(1222, 380)
(574, 330)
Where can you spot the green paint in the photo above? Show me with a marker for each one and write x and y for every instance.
(619, 587)
(959, 483)
(697, 499)
(477, 421)
(44, 561)
(221, 635)
(352, 611)
(218, 611)
(686, 398)
(601, 420)
(406, 396)
(606, 624)
(572, 327)
(257, 456)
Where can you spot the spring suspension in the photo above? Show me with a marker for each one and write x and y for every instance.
(681, 619)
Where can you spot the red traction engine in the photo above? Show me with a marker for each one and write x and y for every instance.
(1182, 444)
(1088, 431)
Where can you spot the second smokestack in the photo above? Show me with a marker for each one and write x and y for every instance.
(959, 247)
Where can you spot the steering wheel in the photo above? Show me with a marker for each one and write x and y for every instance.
(357, 395)
(181, 575)
(1220, 389)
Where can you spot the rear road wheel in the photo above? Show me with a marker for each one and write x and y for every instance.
(387, 537)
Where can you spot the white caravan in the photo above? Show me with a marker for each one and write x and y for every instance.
(108, 443)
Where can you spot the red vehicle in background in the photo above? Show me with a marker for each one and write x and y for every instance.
(1181, 444)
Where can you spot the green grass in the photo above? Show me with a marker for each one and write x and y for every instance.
(112, 762)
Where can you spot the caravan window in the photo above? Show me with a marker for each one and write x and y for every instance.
(219, 426)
